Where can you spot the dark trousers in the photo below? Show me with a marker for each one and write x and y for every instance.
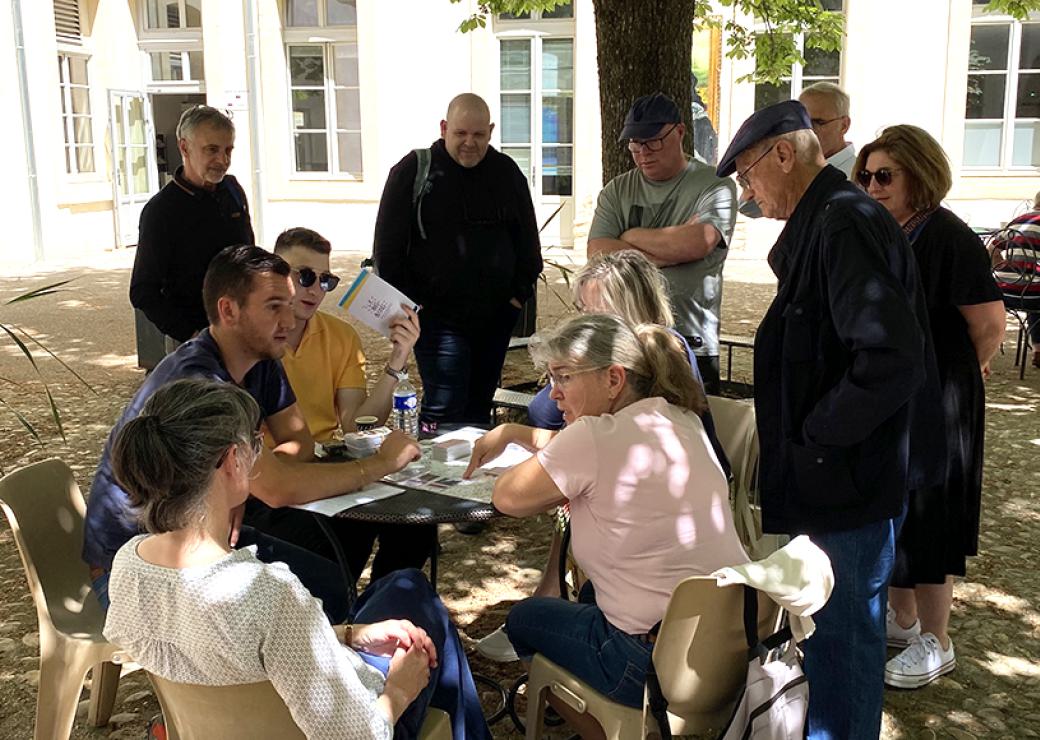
(321, 576)
(709, 368)
(407, 594)
(400, 545)
(460, 367)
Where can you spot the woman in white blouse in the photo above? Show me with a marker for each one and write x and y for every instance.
(192, 610)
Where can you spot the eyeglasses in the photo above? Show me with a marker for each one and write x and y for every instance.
(821, 122)
(742, 176)
(652, 145)
(305, 276)
(256, 446)
(883, 175)
(562, 380)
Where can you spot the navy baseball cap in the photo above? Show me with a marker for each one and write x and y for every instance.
(776, 119)
(647, 115)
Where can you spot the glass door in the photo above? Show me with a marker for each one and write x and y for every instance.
(536, 129)
(134, 178)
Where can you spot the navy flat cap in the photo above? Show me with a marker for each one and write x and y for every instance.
(647, 115)
(773, 120)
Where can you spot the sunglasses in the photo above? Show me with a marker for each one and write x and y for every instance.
(883, 175)
(652, 145)
(305, 276)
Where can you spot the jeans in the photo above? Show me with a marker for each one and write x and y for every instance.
(578, 637)
(845, 657)
(460, 367)
(407, 594)
(708, 365)
(400, 545)
(322, 577)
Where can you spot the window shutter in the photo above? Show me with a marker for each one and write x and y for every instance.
(66, 21)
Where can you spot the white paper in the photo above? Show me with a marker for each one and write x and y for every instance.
(375, 302)
(334, 505)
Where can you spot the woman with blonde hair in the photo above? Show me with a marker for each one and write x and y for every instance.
(192, 610)
(907, 171)
(648, 499)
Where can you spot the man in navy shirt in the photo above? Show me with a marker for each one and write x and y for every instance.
(248, 296)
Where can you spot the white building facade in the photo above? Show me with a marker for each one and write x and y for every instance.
(327, 95)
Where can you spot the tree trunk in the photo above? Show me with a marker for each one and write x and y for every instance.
(640, 53)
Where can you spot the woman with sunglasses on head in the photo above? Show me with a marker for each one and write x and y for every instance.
(907, 171)
(648, 499)
(192, 610)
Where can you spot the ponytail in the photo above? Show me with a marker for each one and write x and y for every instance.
(668, 372)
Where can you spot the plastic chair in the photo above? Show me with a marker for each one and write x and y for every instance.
(252, 711)
(738, 435)
(45, 510)
(701, 661)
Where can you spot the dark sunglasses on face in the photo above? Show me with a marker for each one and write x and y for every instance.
(883, 175)
(305, 276)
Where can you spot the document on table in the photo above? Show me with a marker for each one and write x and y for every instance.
(375, 302)
(336, 504)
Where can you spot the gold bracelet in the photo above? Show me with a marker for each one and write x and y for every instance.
(361, 466)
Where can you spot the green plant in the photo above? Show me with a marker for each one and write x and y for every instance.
(26, 342)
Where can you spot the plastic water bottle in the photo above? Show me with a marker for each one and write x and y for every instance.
(405, 415)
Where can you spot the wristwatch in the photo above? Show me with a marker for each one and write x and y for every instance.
(397, 375)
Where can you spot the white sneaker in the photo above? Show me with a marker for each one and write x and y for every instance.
(497, 647)
(920, 664)
(900, 637)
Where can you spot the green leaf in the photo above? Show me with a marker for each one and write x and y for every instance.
(24, 422)
(55, 414)
(552, 216)
(22, 347)
(36, 293)
(65, 365)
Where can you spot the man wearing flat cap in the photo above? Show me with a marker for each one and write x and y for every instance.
(842, 357)
(674, 210)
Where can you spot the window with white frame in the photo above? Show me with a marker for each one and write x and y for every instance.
(536, 97)
(77, 123)
(820, 66)
(324, 87)
(160, 15)
(1002, 109)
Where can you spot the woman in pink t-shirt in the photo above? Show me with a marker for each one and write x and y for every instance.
(649, 502)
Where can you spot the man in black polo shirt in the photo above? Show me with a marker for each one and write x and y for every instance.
(201, 211)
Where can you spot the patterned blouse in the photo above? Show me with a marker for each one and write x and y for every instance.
(239, 621)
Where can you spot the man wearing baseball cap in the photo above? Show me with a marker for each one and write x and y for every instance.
(674, 210)
(841, 361)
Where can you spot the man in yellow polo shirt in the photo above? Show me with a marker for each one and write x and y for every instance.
(326, 368)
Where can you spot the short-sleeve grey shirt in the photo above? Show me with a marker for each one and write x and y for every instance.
(630, 201)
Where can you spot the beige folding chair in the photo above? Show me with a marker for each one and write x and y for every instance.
(252, 711)
(738, 434)
(701, 660)
(45, 510)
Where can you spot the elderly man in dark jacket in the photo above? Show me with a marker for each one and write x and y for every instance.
(841, 359)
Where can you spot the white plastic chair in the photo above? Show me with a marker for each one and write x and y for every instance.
(45, 510)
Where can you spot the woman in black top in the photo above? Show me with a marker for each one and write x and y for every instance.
(907, 171)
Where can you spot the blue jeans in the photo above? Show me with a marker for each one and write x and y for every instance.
(578, 637)
(460, 367)
(406, 594)
(322, 577)
(845, 657)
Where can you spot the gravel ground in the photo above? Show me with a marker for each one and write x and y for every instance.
(995, 691)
